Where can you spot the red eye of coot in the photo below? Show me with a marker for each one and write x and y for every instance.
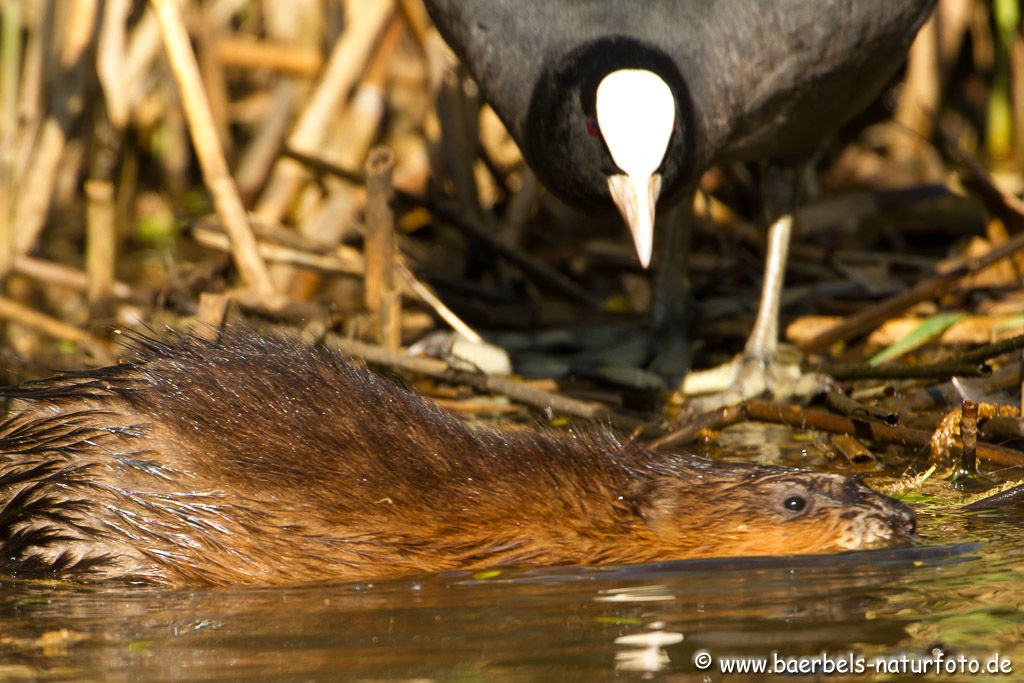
(592, 128)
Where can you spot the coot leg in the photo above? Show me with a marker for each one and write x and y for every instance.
(764, 367)
(670, 325)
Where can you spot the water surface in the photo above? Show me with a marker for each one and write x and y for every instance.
(960, 589)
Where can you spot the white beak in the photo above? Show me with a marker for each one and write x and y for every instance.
(636, 113)
(636, 197)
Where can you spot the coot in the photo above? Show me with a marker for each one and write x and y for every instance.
(627, 103)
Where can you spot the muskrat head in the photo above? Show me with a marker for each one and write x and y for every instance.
(773, 511)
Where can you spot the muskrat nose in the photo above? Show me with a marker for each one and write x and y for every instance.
(904, 522)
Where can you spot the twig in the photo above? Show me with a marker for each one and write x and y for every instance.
(872, 316)
(511, 388)
(210, 315)
(382, 299)
(100, 245)
(1006, 206)
(141, 52)
(1011, 496)
(207, 144)
(946, 394)
(954, 367)
(968, 364)
(40, 322)
(539, 271)
(426, 294)
(1002, 428)
(687, 434)
(362, 118)
(345, 261)
(65, 276)
(249, 53)
(459, 141)
(853, 450)
(969, 438)
(278, 306)
(983, 353)
(335, 219)
(10, 60)
(843, 404)
(804, 418)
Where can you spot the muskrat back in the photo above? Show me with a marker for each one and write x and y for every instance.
(265, 460)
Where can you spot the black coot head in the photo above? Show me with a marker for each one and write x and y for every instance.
(564, 140)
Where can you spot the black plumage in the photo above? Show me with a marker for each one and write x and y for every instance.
(753, 79)
(686, 84)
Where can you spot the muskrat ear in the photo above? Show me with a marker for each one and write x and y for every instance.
(657, 500)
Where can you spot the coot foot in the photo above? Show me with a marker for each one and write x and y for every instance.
(765, 367)
(777, 375)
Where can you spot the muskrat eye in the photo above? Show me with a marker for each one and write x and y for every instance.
(795, 503)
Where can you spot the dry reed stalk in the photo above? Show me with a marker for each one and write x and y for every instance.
(211, 158)
(427, 296)
(335, 217)
(13, 311)
(969, 438)
(35, 188)
(416, 17)
(279, 306)
(954, 22)
(345, 261)
(37, 47)
(362, 118)
(211, 314)
(872, 316)
(298, 22)
(258, 157)
(852, 450)
(1017, 93)
(390, 320)
(247, 52)
(111, 66)
(514, 389)
(141, 52)
(10, 61)
(100, 243)
(221, 11)
(459, 117)
(520, 207)
(344, 67)
(64, 276)
(207, 35)
(921, 95)
(382, 297)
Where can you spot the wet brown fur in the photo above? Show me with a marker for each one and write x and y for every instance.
(262, 460)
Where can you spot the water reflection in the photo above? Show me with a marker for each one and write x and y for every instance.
(564, 624)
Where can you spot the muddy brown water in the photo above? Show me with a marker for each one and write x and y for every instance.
(959, 589)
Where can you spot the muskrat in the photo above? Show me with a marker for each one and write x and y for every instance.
(258, 459)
